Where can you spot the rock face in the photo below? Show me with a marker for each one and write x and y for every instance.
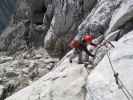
(12, 39)
(66, 82)
(98, 20)
(122, 19)
(22, 12)
(63, 19)
(22, 69)
(54, 23)
(68, 14)
(7, 8)
(121, 16)
(101, 83)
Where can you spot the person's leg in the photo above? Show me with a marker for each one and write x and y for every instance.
(80, 60)
(88, 52)
(86, 57)
(73, 56)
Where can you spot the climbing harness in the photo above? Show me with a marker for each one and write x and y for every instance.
(117, 79)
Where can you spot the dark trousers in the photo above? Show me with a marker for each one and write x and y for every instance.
(78, 52)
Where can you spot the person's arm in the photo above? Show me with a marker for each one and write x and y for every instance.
(93, 44)
(88, 53)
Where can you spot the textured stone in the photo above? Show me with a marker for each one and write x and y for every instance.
(68, 14)
(66, 82)
(7, 8)
(98, 20)
(12, 38)
(120, 17)
(101, 83)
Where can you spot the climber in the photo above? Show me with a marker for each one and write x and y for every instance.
(81, 45)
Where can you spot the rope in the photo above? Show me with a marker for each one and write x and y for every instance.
(125, 88)
(119, 82)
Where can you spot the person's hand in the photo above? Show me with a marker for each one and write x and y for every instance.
(99, 45)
